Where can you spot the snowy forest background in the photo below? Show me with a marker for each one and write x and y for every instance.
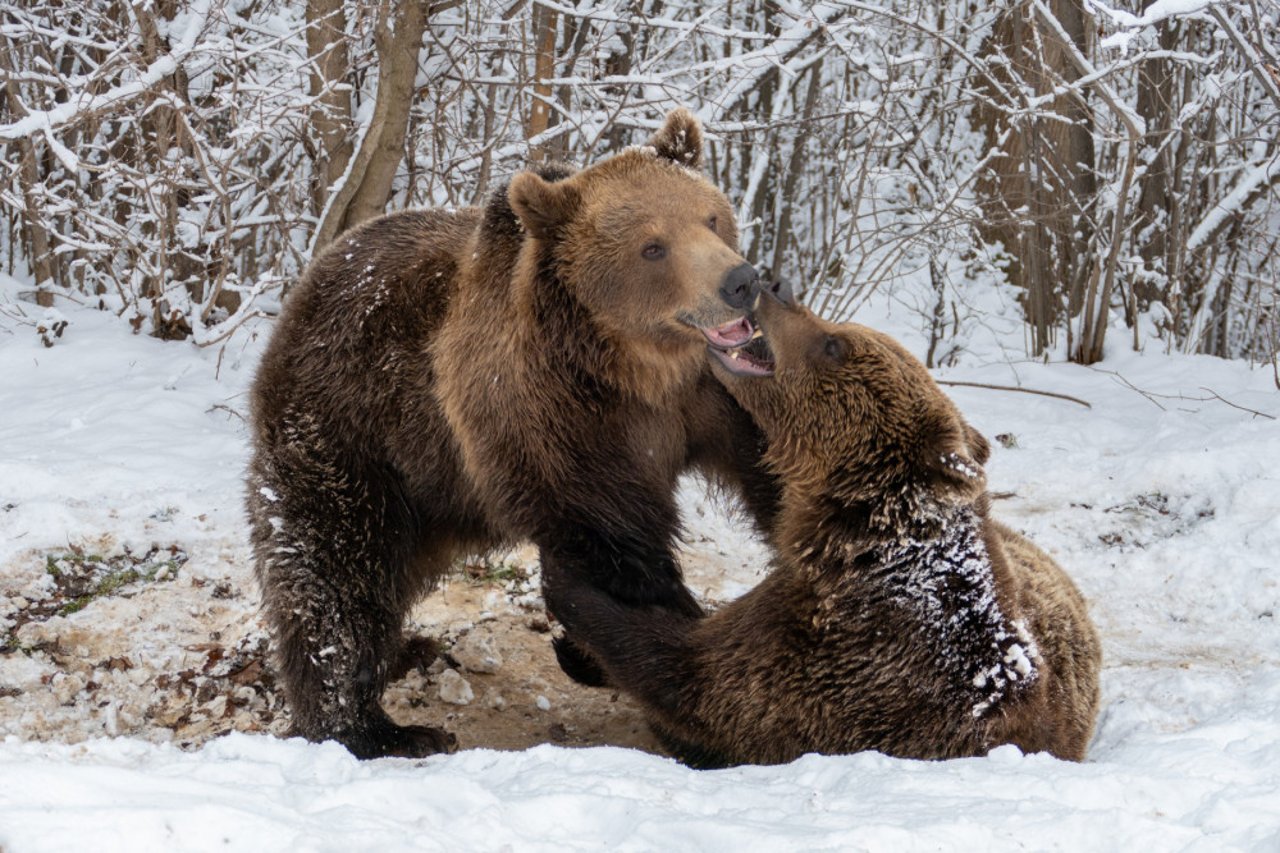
(1013, 190)
(179, 161)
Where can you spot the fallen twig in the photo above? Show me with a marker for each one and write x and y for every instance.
(1151, 397)
(225, 408)
(1068, 397)
(1214, 395)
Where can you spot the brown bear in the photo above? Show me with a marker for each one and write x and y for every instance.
(444, 382)
(898, 617)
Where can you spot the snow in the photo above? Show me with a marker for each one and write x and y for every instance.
(48, 120)
(257, 793)
(947, 584)
(1162, 502)
(1158, 11)
(1233, 202)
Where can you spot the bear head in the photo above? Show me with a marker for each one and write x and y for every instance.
(647, 245)
(853, 420)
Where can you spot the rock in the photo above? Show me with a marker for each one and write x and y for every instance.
(218, 707)
(543, 703)
(111, 718)
(494, 699)
(35, 634)
(454, 689)
(476, 653)
(65, 687)
(168, 716)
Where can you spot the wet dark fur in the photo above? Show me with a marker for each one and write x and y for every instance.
(436, 386)
(897, 615)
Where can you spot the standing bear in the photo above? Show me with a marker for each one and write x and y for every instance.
(445, 382)
(898, 617)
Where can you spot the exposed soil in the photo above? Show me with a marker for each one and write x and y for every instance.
(152, 646)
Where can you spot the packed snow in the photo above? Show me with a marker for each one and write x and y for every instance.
(1162, 501)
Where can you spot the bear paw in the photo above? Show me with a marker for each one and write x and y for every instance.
(386, 739)
(576, 664)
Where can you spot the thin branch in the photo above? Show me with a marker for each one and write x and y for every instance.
(46, 121)
(1055, 394)
(1214, 395)
(1151, 397)
(1256, 66)
(222, 407)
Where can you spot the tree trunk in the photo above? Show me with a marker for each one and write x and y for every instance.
(1157, 104)
(37, 238)
(543, 22)
(331, 97)
(795, 164)
(760, 239)
(398, 50)
(1037, 186)
(363, 192)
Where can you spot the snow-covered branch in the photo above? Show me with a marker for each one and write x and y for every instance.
(85, 103)
(1257, 179)
(183, 170)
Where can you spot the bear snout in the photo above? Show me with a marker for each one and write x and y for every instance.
(740, 287)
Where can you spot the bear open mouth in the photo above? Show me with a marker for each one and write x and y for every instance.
(735, 333)
(754, 358)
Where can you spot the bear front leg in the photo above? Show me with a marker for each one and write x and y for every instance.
(631, 568)
(631, 571)
(645, 650)
(333, 565)
(577, 663)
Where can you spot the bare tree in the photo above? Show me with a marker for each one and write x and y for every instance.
(362, 192)
(331, 102)
(180, 161)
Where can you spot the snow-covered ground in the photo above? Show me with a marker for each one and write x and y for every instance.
(1162, 501)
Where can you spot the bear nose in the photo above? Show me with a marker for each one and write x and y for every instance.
(741, 286)
(781, 291)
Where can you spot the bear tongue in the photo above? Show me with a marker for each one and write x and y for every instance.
(732, 334)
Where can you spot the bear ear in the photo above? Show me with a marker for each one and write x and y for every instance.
(979, 447)
(543, 207)
(957, 460)
(680, 139)
(960, 475)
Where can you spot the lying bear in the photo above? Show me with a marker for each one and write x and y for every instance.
(898, 616)
(444, 382)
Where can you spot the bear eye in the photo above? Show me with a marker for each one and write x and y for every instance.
(653, 252)
(711, 223)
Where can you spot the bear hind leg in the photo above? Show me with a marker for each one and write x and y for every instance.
(334, 655)
(335, 564)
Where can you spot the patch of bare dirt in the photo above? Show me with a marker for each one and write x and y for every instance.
(150, 646)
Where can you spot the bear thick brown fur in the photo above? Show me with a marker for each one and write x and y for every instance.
(445, 382)
(898, 616)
